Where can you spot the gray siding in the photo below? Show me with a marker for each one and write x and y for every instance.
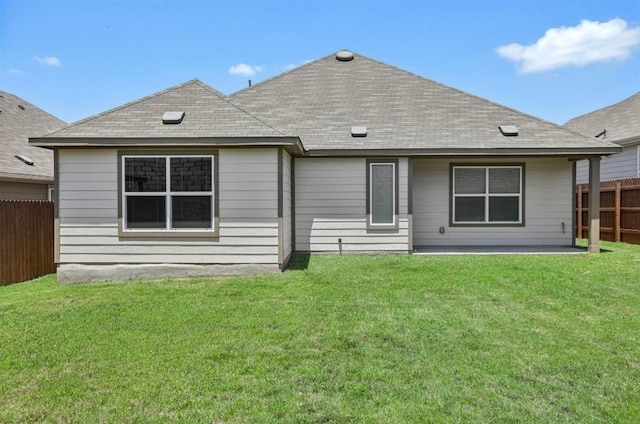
(548, 205)
(330, 204)
(88, 202)
(23, 191)
(286, 206)
(620, 165)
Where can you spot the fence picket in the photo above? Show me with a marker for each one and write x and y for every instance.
(619, 210)
(26, 240)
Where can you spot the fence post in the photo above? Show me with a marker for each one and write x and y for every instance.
(617, 224)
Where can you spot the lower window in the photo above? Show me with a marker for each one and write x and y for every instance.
(168, 193)
(487, 194)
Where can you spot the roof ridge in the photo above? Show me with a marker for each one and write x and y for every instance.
(131, 103)
(230, 103)
(516, 111)
(415, 75)
(282, 74)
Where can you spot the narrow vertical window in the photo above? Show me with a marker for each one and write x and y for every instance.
(382, 193)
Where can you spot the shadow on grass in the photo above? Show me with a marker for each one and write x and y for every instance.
(298, 262)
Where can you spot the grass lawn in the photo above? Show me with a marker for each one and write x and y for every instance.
(382, 339)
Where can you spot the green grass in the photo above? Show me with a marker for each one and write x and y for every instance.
(346, 339)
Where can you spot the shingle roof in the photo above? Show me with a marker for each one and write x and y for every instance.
(207, 114)
(20, 120)
(621, 121)
(321, 101)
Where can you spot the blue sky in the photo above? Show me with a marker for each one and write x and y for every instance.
(550, 58)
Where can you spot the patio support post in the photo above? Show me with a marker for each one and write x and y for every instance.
(594, 205)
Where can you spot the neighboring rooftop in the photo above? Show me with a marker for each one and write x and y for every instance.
(621, 121)
(20, 120)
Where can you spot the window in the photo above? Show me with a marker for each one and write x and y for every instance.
(382, 193)
(172, 193)
(487, 194)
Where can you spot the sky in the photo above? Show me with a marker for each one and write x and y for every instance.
(553, 59)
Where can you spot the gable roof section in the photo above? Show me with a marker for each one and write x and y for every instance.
(320, 102)
(620, 120)
(207, 115)
(20, 120)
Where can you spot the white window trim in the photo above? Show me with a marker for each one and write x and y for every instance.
(487, 195)
(393, 173)
(167, 194)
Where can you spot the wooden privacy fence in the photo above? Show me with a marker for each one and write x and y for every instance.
(619, 210)
(26, 240)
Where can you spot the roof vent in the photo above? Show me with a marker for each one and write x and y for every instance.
(358, 131)
(603, 134)
(25, 159)
(344, 56)
(172, 117)
(508, 130)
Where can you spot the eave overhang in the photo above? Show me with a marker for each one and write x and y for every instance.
(576, 152)
(629, 141)
(25, 178)
(295, 147)
(291, 144)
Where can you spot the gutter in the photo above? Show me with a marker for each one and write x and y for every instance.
(628, 141)
(486, 152)
(292, 144)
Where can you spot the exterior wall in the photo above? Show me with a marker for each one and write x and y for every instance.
(547, 206)
(621, 165)
(88, 211)
(286, 206)
(330, 204)
(23, 191)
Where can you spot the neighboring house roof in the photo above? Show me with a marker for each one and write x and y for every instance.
(207, 114)
(621, 122)
(321, 101)
(20, 120)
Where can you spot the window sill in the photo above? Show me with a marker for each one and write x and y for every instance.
(487, 224)
(382, 228)
(167, 234)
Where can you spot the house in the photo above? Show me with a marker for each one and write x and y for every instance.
(620, 124)
(26, 172)
(342, 155)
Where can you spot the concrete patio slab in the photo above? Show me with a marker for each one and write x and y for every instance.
(498, 250)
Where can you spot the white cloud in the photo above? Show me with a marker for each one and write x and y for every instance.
(14, 71)
(48, 60)
(589, 42)
(245, 70)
